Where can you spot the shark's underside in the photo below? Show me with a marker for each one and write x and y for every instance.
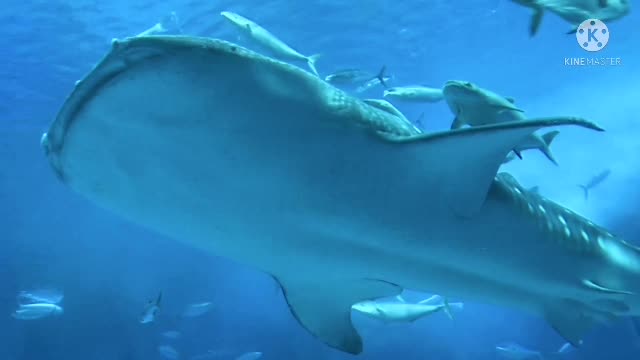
(264, 163)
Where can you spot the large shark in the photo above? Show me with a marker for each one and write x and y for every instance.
(256, 160)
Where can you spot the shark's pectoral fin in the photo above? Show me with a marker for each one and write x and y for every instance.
(536, 20)
(460, 165)
(570, 322)
(603, 289)
(457, 123)
(323, 306)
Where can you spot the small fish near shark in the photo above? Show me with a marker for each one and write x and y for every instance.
(514, 351)
(263, 37)
(402, 312)
(151, 310)
(339, 201)
(414, 93)
(594, 181)
(354, 76)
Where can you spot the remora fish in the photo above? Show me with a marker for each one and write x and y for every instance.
(339, 201)
(415, 93)
(348, 76)
(270, 41)
(476, 106)
(168, 23)
(575, 11)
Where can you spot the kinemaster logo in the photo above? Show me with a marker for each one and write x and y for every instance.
(592, 36)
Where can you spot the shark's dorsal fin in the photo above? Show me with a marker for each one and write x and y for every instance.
(323, 306)
(460, 165)
(401, 299)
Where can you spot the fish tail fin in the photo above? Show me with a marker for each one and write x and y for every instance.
(159, 298)
(585, 191)
(381, 75)
(547, 139)
(458, 306)
(311, 60)
(447, 309)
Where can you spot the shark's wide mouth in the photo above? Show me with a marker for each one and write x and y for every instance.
(123, 56)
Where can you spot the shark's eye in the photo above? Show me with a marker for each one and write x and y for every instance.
(468, 84)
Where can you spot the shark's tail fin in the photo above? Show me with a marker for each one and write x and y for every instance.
(585, 190)
(159, 298)
(547, 139)
(311, 61)
(381, 75)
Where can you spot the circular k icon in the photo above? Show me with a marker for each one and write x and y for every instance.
(592, 35)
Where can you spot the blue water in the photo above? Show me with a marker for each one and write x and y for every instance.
(109, 268)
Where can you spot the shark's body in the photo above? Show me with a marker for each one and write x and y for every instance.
(261, 162)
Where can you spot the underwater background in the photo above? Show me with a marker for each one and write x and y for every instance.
(109, 268)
